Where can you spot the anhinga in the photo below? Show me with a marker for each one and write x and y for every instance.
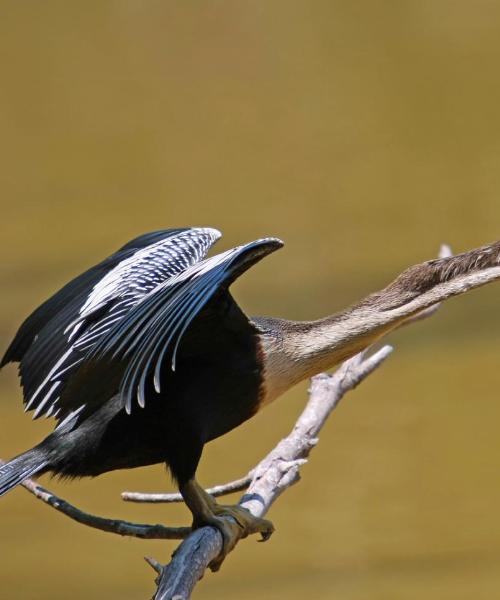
(146, 357)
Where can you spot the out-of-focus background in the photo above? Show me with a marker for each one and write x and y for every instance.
(362, 133)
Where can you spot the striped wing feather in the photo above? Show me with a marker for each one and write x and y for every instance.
(153, 329)
(55, 340)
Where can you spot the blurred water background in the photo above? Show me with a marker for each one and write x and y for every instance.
(362, 133)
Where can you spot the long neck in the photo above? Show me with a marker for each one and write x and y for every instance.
(296, 350)
(293, 351)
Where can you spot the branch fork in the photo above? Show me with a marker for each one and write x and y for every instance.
(280, 469)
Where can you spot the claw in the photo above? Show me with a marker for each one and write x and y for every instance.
(265, 535)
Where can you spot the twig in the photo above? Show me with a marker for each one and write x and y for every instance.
(138, 530)
(154, 564)
(278, 471)
(218, 490)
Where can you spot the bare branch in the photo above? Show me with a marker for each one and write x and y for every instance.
(139, 530)
(272, 476)
(237, 485)
(154, 564)
(414, 295)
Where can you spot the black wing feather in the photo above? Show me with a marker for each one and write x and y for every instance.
(64, 304)
(156, 325)
(53, 343)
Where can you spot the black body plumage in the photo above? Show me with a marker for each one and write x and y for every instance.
(142, 359)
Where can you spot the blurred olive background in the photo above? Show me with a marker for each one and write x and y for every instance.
(364, 134)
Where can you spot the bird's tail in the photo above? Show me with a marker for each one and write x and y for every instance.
(20, 468)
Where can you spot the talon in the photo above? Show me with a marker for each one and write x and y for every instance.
(265, 535)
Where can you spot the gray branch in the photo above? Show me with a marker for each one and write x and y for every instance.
(139, 530)
(272, 476)
(414, 295)
(237, 485)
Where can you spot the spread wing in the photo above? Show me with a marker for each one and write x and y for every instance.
(65, 303)
(148, 337)
(54, 341)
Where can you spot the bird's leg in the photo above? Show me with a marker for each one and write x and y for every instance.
(206, 511)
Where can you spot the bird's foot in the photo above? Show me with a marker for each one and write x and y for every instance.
(235, 523)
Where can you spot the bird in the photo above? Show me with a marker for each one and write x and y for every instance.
(146, 357)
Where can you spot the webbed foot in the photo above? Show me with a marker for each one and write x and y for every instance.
(234, 522)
